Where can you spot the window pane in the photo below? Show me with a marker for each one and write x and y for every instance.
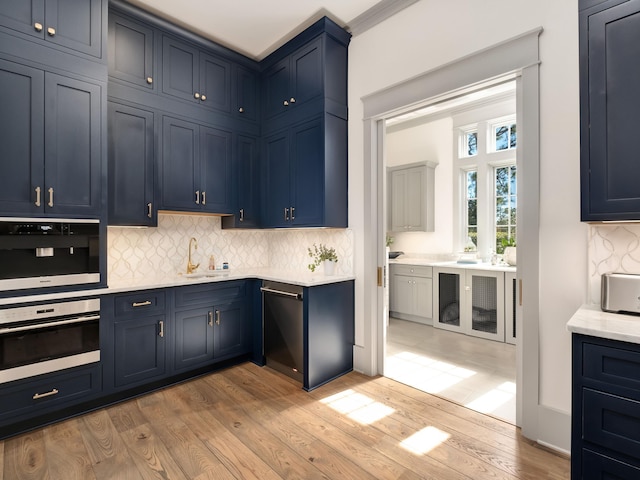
(472, 184)
(472, 233)
(502, 181)
(502, 234)
(472, 144)
(513, 180)
(513, 136)
(472, 212)
(502, 138)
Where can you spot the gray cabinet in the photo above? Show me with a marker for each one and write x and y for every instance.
(411, 293)
(411, 197)
(470, 301)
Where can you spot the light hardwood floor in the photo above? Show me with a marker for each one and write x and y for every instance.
(471, 371)
(248, 422)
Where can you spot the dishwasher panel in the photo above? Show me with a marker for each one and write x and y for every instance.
(283, 328)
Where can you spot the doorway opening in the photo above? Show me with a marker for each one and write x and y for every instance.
(452, 325)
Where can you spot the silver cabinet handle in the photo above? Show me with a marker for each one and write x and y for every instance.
(293, 213)
(149, 211)
(197, 197)
(217, 317)
(242, 214)
(37, 26)
(210, 319)
(149, 80)
(241, 110)
(297, 296)
(203, 97)
(36, 396)
(285, 103)
(292, 100)
(161, 325)
(204, 198)
(141, 304)
(51, 31)
(50, 197)
(37, 196)
(286, 214)
(196, 96)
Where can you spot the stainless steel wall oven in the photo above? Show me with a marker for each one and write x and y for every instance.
(37, 253)
(45, 338)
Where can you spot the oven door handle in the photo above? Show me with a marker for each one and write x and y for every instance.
(87, 318)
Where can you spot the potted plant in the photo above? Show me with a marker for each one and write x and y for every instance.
(509, 250)
(323, 255)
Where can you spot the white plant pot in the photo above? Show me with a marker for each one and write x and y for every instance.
(329, 267)
(510, 255)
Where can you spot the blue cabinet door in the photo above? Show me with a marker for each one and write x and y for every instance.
(276, 90)
(131, 166)
(215, 83)
(180, 70)
(610, 100)
(216, 170)
(73, 146)
(73, 24)
(246, 85)
(276, 176)
(131, 52)
(180, 158)
(230, 330)
(306, 82)
(139, 350)
(307, 174)
(22, 139)
(193, 338)
(247, 184)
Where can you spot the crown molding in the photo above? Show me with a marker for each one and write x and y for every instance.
(377, 14)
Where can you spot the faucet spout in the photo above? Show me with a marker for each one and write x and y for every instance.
(190, 266)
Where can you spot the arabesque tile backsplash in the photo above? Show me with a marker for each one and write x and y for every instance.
(135, 253)
(612, 248)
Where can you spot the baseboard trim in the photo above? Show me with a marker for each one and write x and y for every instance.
(554, 429)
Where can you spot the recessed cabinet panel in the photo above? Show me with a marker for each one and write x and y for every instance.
(180, 154)
(246, 94)
(307, 73)
(307, 189)
(247, 171)
(21, 15)
(131, 52)
(215, 170)
(277, 180)
(215, 83)
(21, 137)
(131, 166)
(411, 198)
(180, 66)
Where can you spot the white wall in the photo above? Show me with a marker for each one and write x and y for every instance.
(430, 34)
(431, 141)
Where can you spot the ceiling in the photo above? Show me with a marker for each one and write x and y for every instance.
(254, 28)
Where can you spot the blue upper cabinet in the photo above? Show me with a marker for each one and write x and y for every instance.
(609, 105)
(196, 168)
(194, 75)
(304, 150)
(76, 25)
(131, 52)
(246, 94)
(52, 156)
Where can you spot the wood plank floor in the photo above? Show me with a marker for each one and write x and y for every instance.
(248, 422)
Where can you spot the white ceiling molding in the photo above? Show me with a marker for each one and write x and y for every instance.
(377, 14)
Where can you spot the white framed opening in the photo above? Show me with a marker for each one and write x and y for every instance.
(516, 59)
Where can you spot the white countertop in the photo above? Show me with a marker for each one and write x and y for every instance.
(304, 279)
(402, 260)
(591, 320)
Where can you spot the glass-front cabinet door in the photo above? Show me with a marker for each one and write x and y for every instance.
(448, 308)
(484, 305)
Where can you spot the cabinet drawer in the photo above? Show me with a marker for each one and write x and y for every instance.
(46, 392)
(208, 294)
(145, 302)
(615, 366)
(412, 270)
(612, 422)
(598, 466)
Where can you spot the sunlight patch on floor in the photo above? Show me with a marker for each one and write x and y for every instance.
(358, 407)
(494, 399)
(425, 440)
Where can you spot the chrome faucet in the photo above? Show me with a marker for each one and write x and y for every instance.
(190, 266)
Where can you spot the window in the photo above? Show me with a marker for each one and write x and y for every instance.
(505, 207)
(471, 204)
(486, 166)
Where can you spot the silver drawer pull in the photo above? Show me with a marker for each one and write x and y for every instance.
(37, 396)
(141, 304)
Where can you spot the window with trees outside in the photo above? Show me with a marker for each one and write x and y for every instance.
(487, 168)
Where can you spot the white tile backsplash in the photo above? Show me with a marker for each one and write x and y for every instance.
(135, 253)
(612, 248)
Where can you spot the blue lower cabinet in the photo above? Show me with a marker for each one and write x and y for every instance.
(193, 338)
(230, 330)
(44, 394)
(605, 438)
